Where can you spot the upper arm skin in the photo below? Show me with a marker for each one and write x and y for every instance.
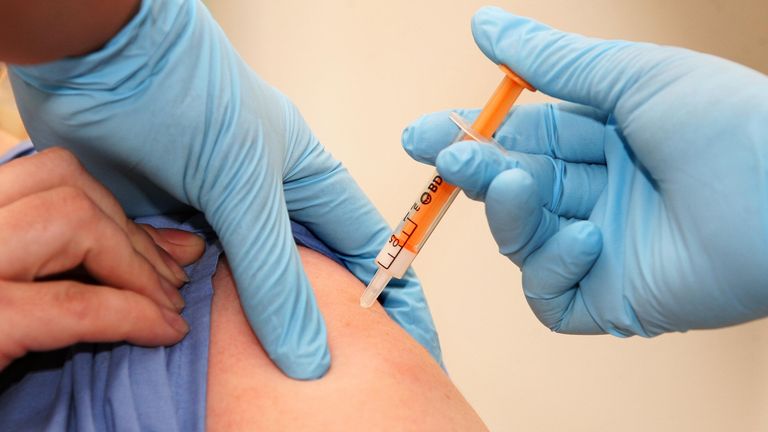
(380, 378)
(37, 31)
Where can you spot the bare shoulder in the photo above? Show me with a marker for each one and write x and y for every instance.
(380, 378)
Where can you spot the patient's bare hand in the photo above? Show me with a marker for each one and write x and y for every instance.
(54, 219)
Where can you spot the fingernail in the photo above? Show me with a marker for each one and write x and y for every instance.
(174, 267)
(173, 294)
(176, 321)
(180, 238)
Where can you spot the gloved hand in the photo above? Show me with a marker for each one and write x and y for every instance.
(169, 106)
(641, 206)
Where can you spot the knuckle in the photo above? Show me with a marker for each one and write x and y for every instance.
(76, 204)
(64, 165)
(63, 158)
(11, 302)
(75, 301)
(72, 197)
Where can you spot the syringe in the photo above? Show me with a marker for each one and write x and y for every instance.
(433, 201)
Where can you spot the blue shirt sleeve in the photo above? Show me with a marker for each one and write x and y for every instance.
(24, 148)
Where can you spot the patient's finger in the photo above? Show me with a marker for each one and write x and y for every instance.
(80, 234)
(170, 269)
(57, 167)
(49, 315)
(182, 246)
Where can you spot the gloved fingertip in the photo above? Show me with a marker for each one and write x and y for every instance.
(516, 216)
(512, 194)
(471, 166)
(492, 29)
(305, 363)
(484, 23)
(588, 238)
(300, 349)
(562, 261)
(453, 161)
(427, 136)
(408, 144)
(279, 303)
(578, 246)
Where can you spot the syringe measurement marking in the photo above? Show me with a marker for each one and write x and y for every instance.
(399, 246)
(425, 199)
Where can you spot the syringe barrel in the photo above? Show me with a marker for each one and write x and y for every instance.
(436, 197)
(417, 225)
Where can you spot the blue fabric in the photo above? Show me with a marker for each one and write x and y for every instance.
(121, 387)
(23, 148)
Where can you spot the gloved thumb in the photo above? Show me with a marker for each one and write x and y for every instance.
(567, 66)
(253, 226)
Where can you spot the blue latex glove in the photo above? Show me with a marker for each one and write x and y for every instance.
(641, 207)
(169, 106)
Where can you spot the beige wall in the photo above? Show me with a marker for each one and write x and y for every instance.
(11, 128)
(361, 70)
